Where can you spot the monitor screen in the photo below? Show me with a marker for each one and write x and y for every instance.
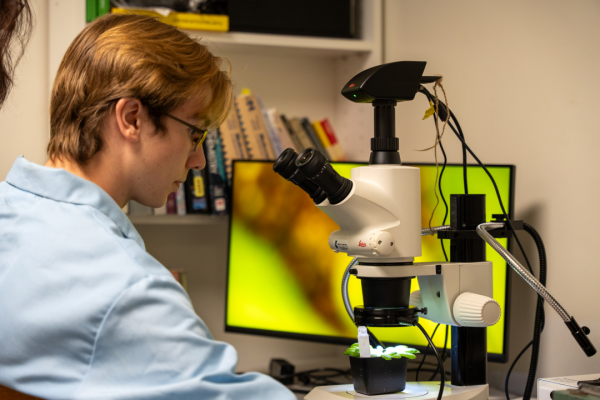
(285, 281)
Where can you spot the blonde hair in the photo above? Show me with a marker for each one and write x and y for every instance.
(120, 56)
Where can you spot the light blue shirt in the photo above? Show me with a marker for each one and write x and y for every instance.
(87, 313)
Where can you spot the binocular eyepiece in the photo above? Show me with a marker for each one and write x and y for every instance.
(314, 174)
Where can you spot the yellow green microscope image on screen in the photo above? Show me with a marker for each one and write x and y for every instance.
(285, 281)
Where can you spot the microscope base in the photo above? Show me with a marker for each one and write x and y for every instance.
(416, 390)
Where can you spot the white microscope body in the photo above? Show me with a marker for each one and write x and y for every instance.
(380, 223)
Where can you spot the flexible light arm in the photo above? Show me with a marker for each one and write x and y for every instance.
(579, 333)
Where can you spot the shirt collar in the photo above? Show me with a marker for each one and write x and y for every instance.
(60, 185)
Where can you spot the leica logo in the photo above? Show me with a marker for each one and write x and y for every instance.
(361, 244)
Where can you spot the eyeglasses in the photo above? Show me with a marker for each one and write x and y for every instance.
(198, 141)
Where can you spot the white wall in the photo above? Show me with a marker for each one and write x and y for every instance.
(24, 123)
(521, 77)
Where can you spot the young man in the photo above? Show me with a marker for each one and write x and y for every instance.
(85, 311)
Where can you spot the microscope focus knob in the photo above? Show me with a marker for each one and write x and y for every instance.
(474, 310)
(381, 243)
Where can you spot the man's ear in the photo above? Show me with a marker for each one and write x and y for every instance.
(130, 113)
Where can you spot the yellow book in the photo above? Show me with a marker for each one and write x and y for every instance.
(202, 22)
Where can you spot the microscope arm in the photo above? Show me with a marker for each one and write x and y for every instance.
(579, 333)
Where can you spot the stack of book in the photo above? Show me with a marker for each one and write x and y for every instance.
(250, 132)
(253, 132)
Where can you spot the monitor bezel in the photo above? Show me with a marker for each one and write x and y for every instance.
(493, 357)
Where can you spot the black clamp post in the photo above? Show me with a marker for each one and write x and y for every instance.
(471, 234)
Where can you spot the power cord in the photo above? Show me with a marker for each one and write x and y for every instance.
(426, 353)
(411, 322)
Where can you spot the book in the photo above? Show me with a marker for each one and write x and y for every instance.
(280, 129)
(91, 10)
(195, 194)
(232, 141)
(297, 144)
(171, 204)
(313, 137)
(275, 140)
(318, 128)
(337, 148)
(204, 22)
(253, 128)
(180, 200)
(103, 7)
(217, 180)
(300, 133)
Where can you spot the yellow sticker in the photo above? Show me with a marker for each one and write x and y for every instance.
(198, 186)
(430, 111)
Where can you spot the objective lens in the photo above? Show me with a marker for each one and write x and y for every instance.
(286, 167)
(316, 168)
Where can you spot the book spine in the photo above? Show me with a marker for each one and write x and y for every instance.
(275, 141)
(318, 128)
(280, 129)
(91, 10)
(232, 141)
(336, 147)
(313, 137)
(297, 144)
(253, 129)
(217, 184)
(204, 22)
(171, 204)
(180, 200)
(103, 7)
(301, 134)
(196, 196)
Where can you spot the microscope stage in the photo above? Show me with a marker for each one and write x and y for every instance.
(417, 390)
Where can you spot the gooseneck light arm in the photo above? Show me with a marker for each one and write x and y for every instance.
(579, 333)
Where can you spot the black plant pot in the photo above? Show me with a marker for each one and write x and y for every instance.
(376, 375)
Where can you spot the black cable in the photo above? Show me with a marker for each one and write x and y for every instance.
(464, 153)
(444, 355)
(511, 368)
(373, 339)
(426, 353)
(539, 320)
(443, 198)
(443, 115)
(440, 180)
(411, 322)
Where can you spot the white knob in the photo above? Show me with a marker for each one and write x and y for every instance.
(415, 299)
(474, 310)
(382, 243)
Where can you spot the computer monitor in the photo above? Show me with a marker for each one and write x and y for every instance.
(284, 280)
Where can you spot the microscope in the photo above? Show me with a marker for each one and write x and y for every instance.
(378, 211)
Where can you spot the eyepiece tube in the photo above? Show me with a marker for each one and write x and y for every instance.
(286, 167)
(316, 168)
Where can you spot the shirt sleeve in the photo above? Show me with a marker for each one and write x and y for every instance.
(152, 345)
